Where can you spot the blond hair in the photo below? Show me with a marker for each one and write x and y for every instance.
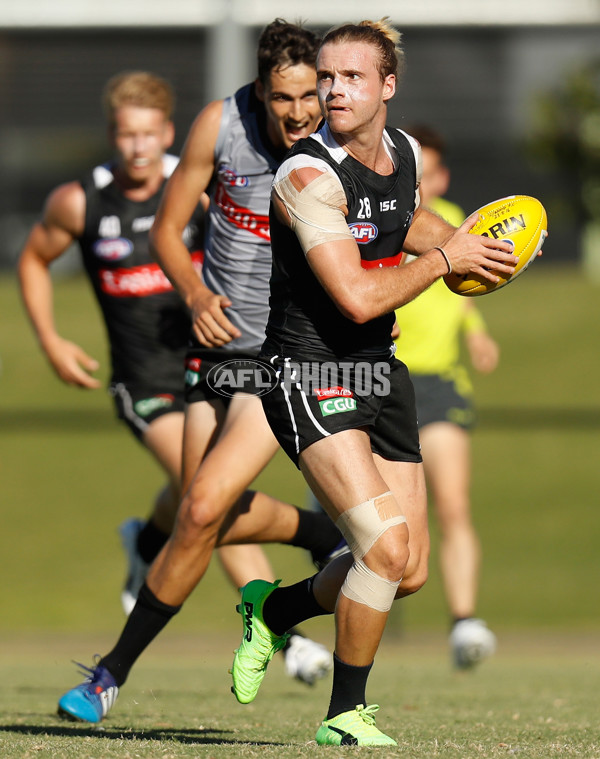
(138, 88)
(381, 34)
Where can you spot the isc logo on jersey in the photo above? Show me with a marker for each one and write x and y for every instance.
(113, 249)
(363, 231)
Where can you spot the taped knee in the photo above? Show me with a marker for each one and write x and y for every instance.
(364, 524)
(367, 587)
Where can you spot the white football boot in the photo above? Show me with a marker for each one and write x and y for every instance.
(306, 660)
(471, 642)
(137, 569)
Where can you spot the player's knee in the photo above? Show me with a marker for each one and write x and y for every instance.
(416, 573)
(453, 513)
(390, 554)
(376, 528)
(414, 581)
(200, 515)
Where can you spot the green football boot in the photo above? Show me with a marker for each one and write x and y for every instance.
(354, 728)
(258, 644)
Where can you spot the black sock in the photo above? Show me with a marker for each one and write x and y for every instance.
(316, 532)
(287, 607)
(349, 687)
(147, 619)
(149, 541)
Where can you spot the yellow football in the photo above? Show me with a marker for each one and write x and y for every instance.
(518, 218)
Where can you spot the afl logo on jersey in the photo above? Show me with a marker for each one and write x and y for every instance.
(113, 249)
(231, 178)
(363, 232)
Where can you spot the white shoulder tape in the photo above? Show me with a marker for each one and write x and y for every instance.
(316, 211)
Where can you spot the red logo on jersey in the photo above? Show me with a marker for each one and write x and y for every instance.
(323, 393)
(242, 217)
(380, 263)
(139, 281)
(193, 364)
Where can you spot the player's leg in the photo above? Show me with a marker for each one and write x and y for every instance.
(327, 465)
(342, 472)
(244, 447)
(406, 482)
(143, 539)
(163, 437)
(351, 483)
(91, 700)
(156, 421)
(447, 459)
(243, 563)
(217, 508)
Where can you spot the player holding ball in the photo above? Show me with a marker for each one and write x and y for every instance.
(345, 203)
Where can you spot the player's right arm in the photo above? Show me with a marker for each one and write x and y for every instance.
(62, 222)
(182, 194)
(316, 213)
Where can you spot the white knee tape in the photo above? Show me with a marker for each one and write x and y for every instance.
(366, 587)
(364, 524)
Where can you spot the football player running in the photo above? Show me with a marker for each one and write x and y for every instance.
(345, 204)
(233, 150)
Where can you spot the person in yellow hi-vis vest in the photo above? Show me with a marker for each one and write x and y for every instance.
(431, 329)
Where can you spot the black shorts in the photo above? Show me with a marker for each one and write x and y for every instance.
(317, 403)
(215, 374)
(138, 407)
(443, 399)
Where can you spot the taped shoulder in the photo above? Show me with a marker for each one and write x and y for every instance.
(316, 210)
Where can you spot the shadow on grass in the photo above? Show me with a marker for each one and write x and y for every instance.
(202, 736)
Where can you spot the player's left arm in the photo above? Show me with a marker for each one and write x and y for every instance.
(315, 209)
(427, 230)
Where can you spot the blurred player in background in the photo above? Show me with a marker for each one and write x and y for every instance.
(431, 328)
(345, 203)
(232, 152)
(109, 214)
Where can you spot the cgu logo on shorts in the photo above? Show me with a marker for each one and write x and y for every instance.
(113, 249)
(233, 179)
(192, 371)
(337, 406)
(148, 406)
(335, 400)
(363, 232)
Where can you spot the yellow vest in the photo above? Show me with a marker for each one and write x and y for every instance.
(431, 324)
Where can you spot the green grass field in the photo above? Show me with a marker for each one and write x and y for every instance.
(537, 699)
(70, 473)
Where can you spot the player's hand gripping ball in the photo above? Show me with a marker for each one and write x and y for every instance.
(518, 218)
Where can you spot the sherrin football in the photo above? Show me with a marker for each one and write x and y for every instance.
(518, 218)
